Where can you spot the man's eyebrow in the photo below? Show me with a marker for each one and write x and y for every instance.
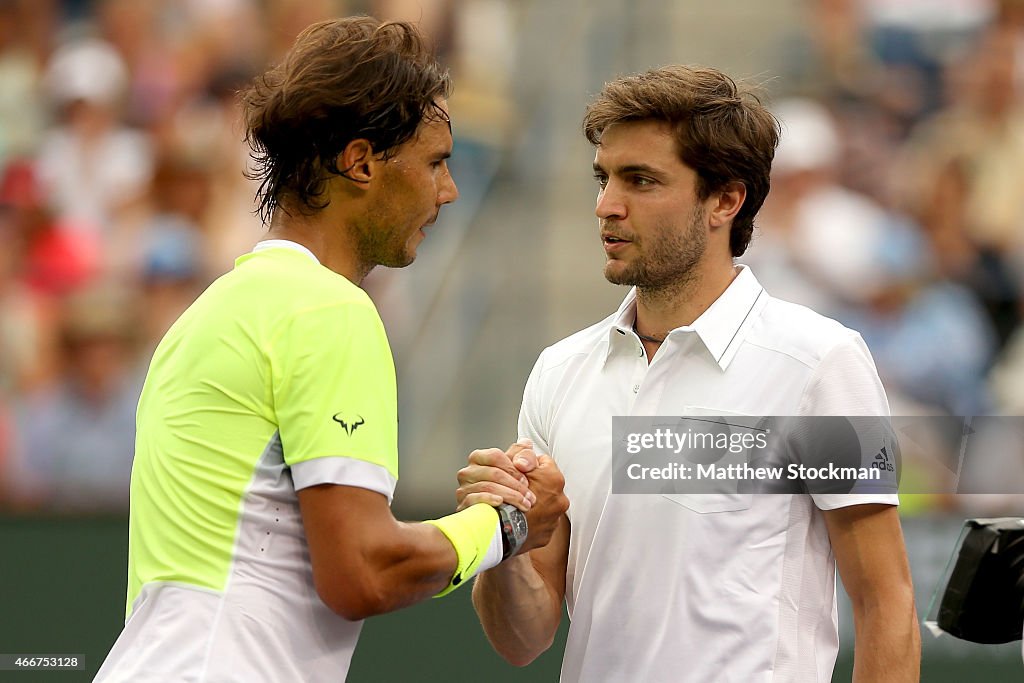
(629, 168)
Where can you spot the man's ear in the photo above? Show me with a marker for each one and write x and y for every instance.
(357, 162)
(729, 201)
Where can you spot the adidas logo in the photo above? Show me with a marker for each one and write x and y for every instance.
(882, 461)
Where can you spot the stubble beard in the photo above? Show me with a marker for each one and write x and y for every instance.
(668, 266)
(378, 243)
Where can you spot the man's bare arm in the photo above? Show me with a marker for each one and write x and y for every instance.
(366, 562)
(519, 602)
(868, 544)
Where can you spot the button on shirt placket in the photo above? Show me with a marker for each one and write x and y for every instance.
(627, 349)
(637, 377)
(655, 377)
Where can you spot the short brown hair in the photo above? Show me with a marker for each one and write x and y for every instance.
(344, 79)
(723, 132)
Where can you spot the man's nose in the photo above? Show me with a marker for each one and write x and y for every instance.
(610, 203)
(449, 192)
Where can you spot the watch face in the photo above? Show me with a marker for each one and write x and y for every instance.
(514, 526)
(520, 528)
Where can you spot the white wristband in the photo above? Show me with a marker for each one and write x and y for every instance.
(494, 552)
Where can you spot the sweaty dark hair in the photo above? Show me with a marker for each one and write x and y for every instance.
(722, 132)
(343, 80)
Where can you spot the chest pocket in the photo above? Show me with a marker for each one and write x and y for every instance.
(707, 503)
(721, 445)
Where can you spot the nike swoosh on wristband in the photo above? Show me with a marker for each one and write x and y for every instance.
(457, 579)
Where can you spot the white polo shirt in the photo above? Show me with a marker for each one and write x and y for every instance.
(685, 588)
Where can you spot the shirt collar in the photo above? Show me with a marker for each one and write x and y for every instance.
(284, 244)
(718, 327)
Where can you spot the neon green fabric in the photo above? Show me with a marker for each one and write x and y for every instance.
(470, 531)
(280, 348)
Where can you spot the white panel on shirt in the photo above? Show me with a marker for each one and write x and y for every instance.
(268, 623)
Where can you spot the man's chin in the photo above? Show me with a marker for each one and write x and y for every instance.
(618, 276)
(400, 259)
(406, 260)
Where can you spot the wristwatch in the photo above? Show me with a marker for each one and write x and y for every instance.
(513, 529)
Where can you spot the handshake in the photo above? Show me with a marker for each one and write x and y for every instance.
(518, 476)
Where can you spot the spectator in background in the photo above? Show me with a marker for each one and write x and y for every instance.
(962, 178)
(204, 163)
(92, 167)
(172, 277)
(58, 259)
(879, 64)
(26, 312)
(931, 339)
(74, 440)
(837, 250)
(178, 201)
(156, 70)
(914, 41)
(818, 239)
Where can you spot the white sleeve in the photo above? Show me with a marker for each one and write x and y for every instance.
(532, 423)
(346, 472)
(846, 383)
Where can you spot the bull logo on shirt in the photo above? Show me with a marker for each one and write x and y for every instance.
(348, 422)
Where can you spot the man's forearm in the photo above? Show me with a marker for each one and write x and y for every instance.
(888, 642)
(366, 562)
(400, 566)
(870, 554)
(519, 611)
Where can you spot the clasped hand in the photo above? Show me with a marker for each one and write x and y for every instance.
(531, 482)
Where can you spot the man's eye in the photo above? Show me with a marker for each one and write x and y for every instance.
(642, 181)
(601, 179)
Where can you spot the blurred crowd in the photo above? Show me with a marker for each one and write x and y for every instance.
(123, 194)
(897, 202)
